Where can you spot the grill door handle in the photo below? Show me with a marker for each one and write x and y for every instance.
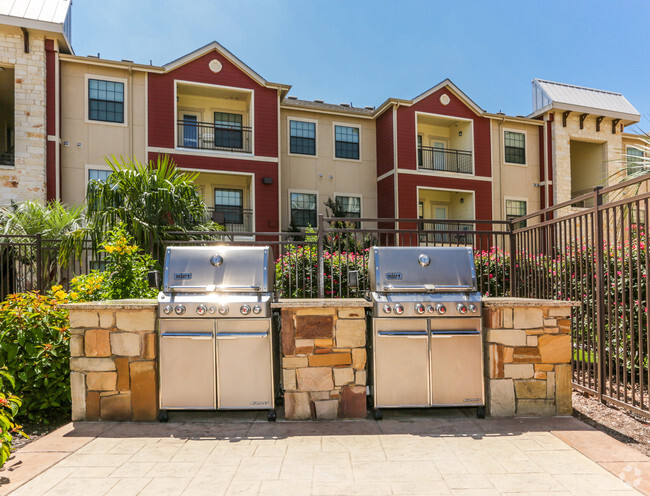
(191, 335)
(237, 335)
(403, 334)
(449, 334)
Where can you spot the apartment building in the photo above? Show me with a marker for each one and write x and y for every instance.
(267, 159)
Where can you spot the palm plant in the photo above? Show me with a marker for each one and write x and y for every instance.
(150, 200)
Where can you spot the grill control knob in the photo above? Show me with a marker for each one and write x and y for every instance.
(387, 309)
(419, 308)
(473, 308)
(441, 309)
(461, 308)
(212, 309)
(223, 310)
(430, 309)
(180, 309)
(167, 310)
(257, 309)
(245, 309)
(399, 309)
(201, 309)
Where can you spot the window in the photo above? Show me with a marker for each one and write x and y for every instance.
(515, 147)
(105, 101)
(302, 137)
(230, 204)
(99, 174)
(303, 209)
(228, 130)
(347, 142)
(419, 150)
(514, 209)
(634, 164)
(350, 207)
(190, 131)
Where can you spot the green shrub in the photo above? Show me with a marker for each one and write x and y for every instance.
(9, 405)
(34, 347)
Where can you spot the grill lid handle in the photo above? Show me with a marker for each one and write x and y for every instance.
(428, 288)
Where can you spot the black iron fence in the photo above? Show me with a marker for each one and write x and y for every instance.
(596, 256)
(444, 159)
(214, 136)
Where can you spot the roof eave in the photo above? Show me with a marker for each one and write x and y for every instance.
(47, 27)
(624, 116)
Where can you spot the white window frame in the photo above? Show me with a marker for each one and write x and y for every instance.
(112, 79)
(352, 195)
(344, 124)
(506, 199)
(88, 168)
(305, 192)
(627, 156)
(301, 119)
(526, 147)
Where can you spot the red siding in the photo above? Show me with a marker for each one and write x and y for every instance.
(406, 133)
(385, 150)
(386, 198)
(50, 120)
(265, 202)
(162, 118)
(542, 199)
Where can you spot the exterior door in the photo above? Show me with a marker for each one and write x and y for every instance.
(439, 160)
(439, 212)
(190, 134)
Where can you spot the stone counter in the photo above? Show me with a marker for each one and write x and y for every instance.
(113, 360)
(324, 358)
(527, 357)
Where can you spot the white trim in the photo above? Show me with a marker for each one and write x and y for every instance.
(327, 111)
(279, 186)
(452, 190)
(342, 124)
(210, 153)
(395, 166)
(88, 168)
(306, 192)
(251, 200)
(251, 110)
(451, 175)
(57, 128)
(503, 150)
(316, 140)
(454, 89)
(513, 198)
(125, 104)
(384, 176)
(450, 118)
(146, 114)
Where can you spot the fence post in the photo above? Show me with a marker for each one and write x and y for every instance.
(599, 285)
(39, 262)
(321, 261)
(513, 251)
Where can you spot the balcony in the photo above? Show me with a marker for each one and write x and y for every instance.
(444, 159)
(215, 137)
(234, 219)
(451, 233)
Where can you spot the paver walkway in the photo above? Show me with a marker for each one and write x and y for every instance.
(450, 455)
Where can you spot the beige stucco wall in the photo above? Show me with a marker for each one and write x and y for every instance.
(26, 179)
(514, 181)
(324, 174)
(207, 182)
(90, 141)
(204, 101)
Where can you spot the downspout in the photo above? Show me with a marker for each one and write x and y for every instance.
(502, 202)
(131, 105)
(546, 184)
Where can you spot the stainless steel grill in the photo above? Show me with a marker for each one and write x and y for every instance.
(427, 347)
(216, 336)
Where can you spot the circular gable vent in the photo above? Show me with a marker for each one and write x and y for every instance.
(444, 99)
(215, 65)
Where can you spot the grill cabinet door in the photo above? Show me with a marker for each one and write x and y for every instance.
(457, 368)
(244, 364)
(401, 362)
(187, 370)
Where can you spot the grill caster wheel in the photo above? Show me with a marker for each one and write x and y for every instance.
(377, 414)
(271, 416)
(163, 416)
(480, 412)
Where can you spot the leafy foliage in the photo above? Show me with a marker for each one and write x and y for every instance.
(9, 405)
(34, 347)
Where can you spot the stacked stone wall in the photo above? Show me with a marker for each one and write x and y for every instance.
(324, 363)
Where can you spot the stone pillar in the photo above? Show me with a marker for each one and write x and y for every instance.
(113, 361)
(324, 361)
(527, 357)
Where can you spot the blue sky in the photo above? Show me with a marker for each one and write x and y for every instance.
(362, 52)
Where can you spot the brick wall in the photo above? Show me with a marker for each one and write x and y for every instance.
(113, 362)
(324, 362)
(528, 358)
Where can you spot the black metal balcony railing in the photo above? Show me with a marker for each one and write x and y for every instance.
(211, 136)
(456, 234)
(7, 158)
(234, 219)
(444, 159)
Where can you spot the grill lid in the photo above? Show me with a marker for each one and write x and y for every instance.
(197, 269)
(408, 269)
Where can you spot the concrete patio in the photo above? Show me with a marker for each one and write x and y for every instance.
(427, 452)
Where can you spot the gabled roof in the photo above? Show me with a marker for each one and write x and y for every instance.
(45, 15)
(446, 83)
(212, 46)
(549, 94)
